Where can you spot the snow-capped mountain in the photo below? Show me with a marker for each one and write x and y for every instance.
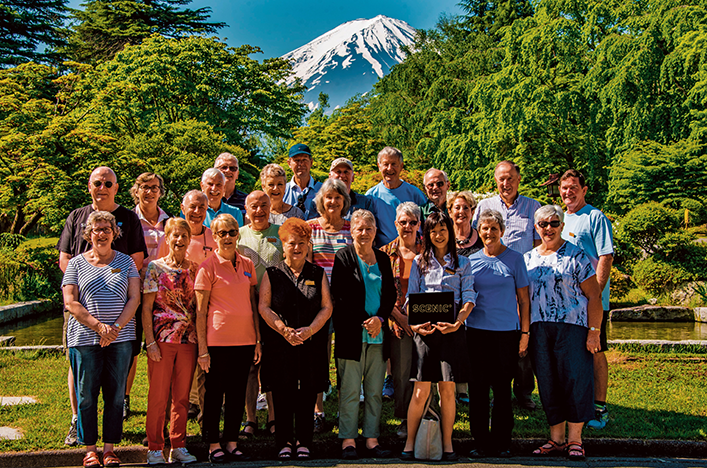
(350, 58)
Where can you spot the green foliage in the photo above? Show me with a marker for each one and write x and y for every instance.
(30, 271)
(104, 27)
(658, 276)
(31, 30)
(646, 225)
(621, 284)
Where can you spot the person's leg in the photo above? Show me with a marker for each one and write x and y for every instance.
(116, 364)
(251, 398)
(574, 368)
(287, 407)
(557, 433)
(319, 405)
(241, 358)
(448, 407)
(350, 373)
(504, 360)
(373, 378)
(400, 362)
(305, 400)
(479, 348)
(136, 348)
(157, 395)
(181, 383)
(524, 383)
(420, 393)
(87, 363)
(601, 380)
(271, 413)
(216, 381)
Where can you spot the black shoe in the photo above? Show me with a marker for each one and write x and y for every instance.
(407, 456)
(527, 404)
(217, 456)
(126, 407)
(193, 411)
(504, 454)
(477, 453)
(378, 452)
(450, 456)
(349, 453)
(237, 455)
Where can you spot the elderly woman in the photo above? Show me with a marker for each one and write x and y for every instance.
(565, 316)
(402, 251)
(169, 320)
(227, 327)
(273, 179)
(461, 206)
(101, 291)
(496, 337)
(437, 356)
(364, 295)
(330, 233)
(296, 305)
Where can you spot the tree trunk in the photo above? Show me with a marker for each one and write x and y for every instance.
(30, 224)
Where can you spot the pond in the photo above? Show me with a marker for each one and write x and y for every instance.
(47, 329)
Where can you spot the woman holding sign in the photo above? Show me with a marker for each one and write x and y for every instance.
(495, 336)
(436, 357)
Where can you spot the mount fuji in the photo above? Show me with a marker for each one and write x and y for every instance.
(350, 58)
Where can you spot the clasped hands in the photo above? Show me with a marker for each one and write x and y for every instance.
(108, 334)
(428, 328)
(297, 336)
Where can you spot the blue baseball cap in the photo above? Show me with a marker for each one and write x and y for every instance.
(299, 148)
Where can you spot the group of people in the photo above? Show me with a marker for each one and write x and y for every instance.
(243, 292)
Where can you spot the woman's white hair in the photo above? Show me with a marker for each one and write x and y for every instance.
(549, 211)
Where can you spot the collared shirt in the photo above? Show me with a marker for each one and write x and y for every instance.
(263, 248)
(440, 278)
(387, 200)
(429, 208)
(519, 219)
(392, 250)
(237, 199)
(230, 314)
(293, 192)
(201, 247)
(224, 208)
(590, 230)
(153, 234)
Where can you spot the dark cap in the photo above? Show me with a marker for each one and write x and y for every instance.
(298, 149)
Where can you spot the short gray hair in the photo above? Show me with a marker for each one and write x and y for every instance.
(335, 185)
(224, 156)
(212, 173)
(272, 170)
(493, 216)
(362, 215)
(195, 193)
(97, 216)
(547, 212)
(408, 208)
(446, 179)
(390, 151)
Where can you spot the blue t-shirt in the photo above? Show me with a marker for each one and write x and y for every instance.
(591, 231)
(388, 201)
(224, 208)
(496, 279)
(294, 193)
(373, 281)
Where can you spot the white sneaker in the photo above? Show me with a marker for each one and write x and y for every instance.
(262, 402)
(181, 455)
(155, 457)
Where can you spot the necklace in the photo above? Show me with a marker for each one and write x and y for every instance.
(461, 242)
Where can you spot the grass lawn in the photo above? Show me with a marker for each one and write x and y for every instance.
(651, 396)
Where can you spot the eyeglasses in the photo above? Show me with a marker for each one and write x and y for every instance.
(438, 184)
(149, 188)
(106, 184)
(105, 230)
(230, 168)
(554, 223)
(231, 233)
(406, 223)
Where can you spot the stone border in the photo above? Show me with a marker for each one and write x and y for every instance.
(20, 310)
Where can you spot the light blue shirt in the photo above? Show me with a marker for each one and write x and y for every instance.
(224, 208)
(591, 231)
(519, 219)
(373, 281)
(441, 278)
(555, 291)
(293, 192)
(386, 203)
(497, 279)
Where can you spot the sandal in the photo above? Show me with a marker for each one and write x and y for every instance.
(575, 451)
(550, 448)
(217, 456)
(109, 459)
(243, 434)
(237, 455)
(285, 453)
(303, 453)
(91, 460)
(268, 427)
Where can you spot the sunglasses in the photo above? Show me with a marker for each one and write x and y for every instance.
(406, 223)
(99, 183)
(105, 230)
(302, 198)
(230, 168)
(432, 185)
(231, 233)
(543, 224)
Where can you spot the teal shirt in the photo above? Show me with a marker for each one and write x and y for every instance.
(373, 281)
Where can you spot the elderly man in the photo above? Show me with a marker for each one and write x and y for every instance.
(228, 165)
(260, 242)
(588, 228)
(102, 186)
(342, 169)
(436, 185)
(391, 192)
(300, 191)
(212, 183)
(518, 213)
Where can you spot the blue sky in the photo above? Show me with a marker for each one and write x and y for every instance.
(279, 26)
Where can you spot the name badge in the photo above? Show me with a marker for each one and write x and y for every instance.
(272, 240)
(116, 270)
(340, 241)
(206, 247)
(572, 234)
(247, 274)
(309, 283)
(449, 271)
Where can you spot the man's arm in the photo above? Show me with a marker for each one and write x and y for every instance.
(64, 260)
(604, 270)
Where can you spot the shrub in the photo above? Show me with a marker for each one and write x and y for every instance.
(658, 276)
(30, 271)
(621, 284)
(646, 224)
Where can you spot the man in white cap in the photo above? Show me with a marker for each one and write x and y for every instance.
(342, 169)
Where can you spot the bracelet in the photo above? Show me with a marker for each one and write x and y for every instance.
(257, 342)
(204, 355)
(525, 333)
(593, 329)
(118, 326)
(153, 343)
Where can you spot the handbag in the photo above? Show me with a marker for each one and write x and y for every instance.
(428, 441)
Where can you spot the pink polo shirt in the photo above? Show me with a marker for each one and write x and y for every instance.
(230, 316)
(200, 248)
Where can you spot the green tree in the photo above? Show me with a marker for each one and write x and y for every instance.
(27, 27)
(105, 27)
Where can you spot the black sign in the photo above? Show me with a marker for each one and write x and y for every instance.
(431, 307)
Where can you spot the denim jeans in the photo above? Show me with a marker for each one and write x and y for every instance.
(95, 369)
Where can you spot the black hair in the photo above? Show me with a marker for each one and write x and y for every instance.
(433, 220)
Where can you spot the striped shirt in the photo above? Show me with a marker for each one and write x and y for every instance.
(103, 292)
(153, 234)
(326, 244)
(519, 219)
